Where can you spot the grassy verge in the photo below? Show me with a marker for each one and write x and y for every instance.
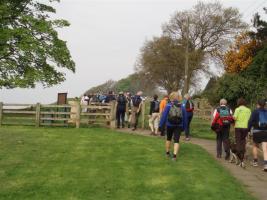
(96, 163)
(201, 129)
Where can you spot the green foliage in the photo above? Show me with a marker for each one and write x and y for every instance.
(100, 164)
(30, 50)
(132, 84)
(250, 84)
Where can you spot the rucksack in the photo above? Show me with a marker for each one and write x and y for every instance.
(175, 115)
(121, 100)
(263, 120)
(156, 107)
(225, 115)
(136, 101)
(189, 106)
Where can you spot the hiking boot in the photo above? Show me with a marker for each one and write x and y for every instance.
(152, 133)
(219, 156)
(255, 163)
(168, 155)
(242, 164)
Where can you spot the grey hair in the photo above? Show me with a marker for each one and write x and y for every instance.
(223, 102)
(187, 96)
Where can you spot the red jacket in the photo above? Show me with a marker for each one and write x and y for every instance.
(219, 120)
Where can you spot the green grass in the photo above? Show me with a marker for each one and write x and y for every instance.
(200, 128)
(96, 163)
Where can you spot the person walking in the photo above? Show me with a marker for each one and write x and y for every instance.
(241, 117)
(136, 109)
(110, 97)
(162, 106)
(121, 109)
(129, 108)
(175, 118)
(189, 106)
(258, 121)
(154, 116)
(222, 119)
(84, 102)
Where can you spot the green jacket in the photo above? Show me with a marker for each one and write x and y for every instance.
(241, 116)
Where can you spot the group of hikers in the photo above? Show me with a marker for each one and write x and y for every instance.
(173, 114)
(246, 124)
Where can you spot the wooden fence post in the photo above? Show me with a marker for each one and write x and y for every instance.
(78, 114)
(1, 113)
(37, 117)
(143, 111)
(113, 115)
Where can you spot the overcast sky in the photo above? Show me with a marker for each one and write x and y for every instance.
(105, 37)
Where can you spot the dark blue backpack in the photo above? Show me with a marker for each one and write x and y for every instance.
(263, 119)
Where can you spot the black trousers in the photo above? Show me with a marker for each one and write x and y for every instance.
(120, 116)
(223, 139)
(189, 119)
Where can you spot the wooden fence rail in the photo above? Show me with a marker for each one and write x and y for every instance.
(57, 115)
(72, 114)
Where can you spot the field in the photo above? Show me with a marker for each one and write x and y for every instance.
(97, 163)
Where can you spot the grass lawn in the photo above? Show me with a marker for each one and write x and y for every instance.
(200, 128)
(96, 163)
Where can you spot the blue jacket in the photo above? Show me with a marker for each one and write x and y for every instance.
(254, 119)
(164, 118)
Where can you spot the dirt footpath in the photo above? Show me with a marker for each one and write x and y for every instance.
(254, 179)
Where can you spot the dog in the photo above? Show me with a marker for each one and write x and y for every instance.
(233, 154)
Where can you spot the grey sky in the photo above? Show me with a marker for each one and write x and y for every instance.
(105, 37)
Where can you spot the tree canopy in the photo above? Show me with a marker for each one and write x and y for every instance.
(30, 49)
(210, 27)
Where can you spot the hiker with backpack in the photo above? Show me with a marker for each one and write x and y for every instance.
(136, 109)
(175, 118)
(189, 106)
(154, 116)
(121, 109)
(110, 97)
(258, 121)
(222, 119)
(241, 117)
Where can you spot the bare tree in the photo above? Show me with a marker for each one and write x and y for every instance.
(211, 27)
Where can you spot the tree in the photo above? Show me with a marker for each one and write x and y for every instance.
(211, 27)
(133, 83)
(240, 55)
(162, 62)
(30, 49)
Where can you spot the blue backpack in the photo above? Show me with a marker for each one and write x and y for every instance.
(263, 119)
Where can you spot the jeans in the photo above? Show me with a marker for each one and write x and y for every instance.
(120, 116)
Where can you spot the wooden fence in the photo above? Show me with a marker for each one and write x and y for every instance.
(72, 114)
(57, 115)
(205, 114)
